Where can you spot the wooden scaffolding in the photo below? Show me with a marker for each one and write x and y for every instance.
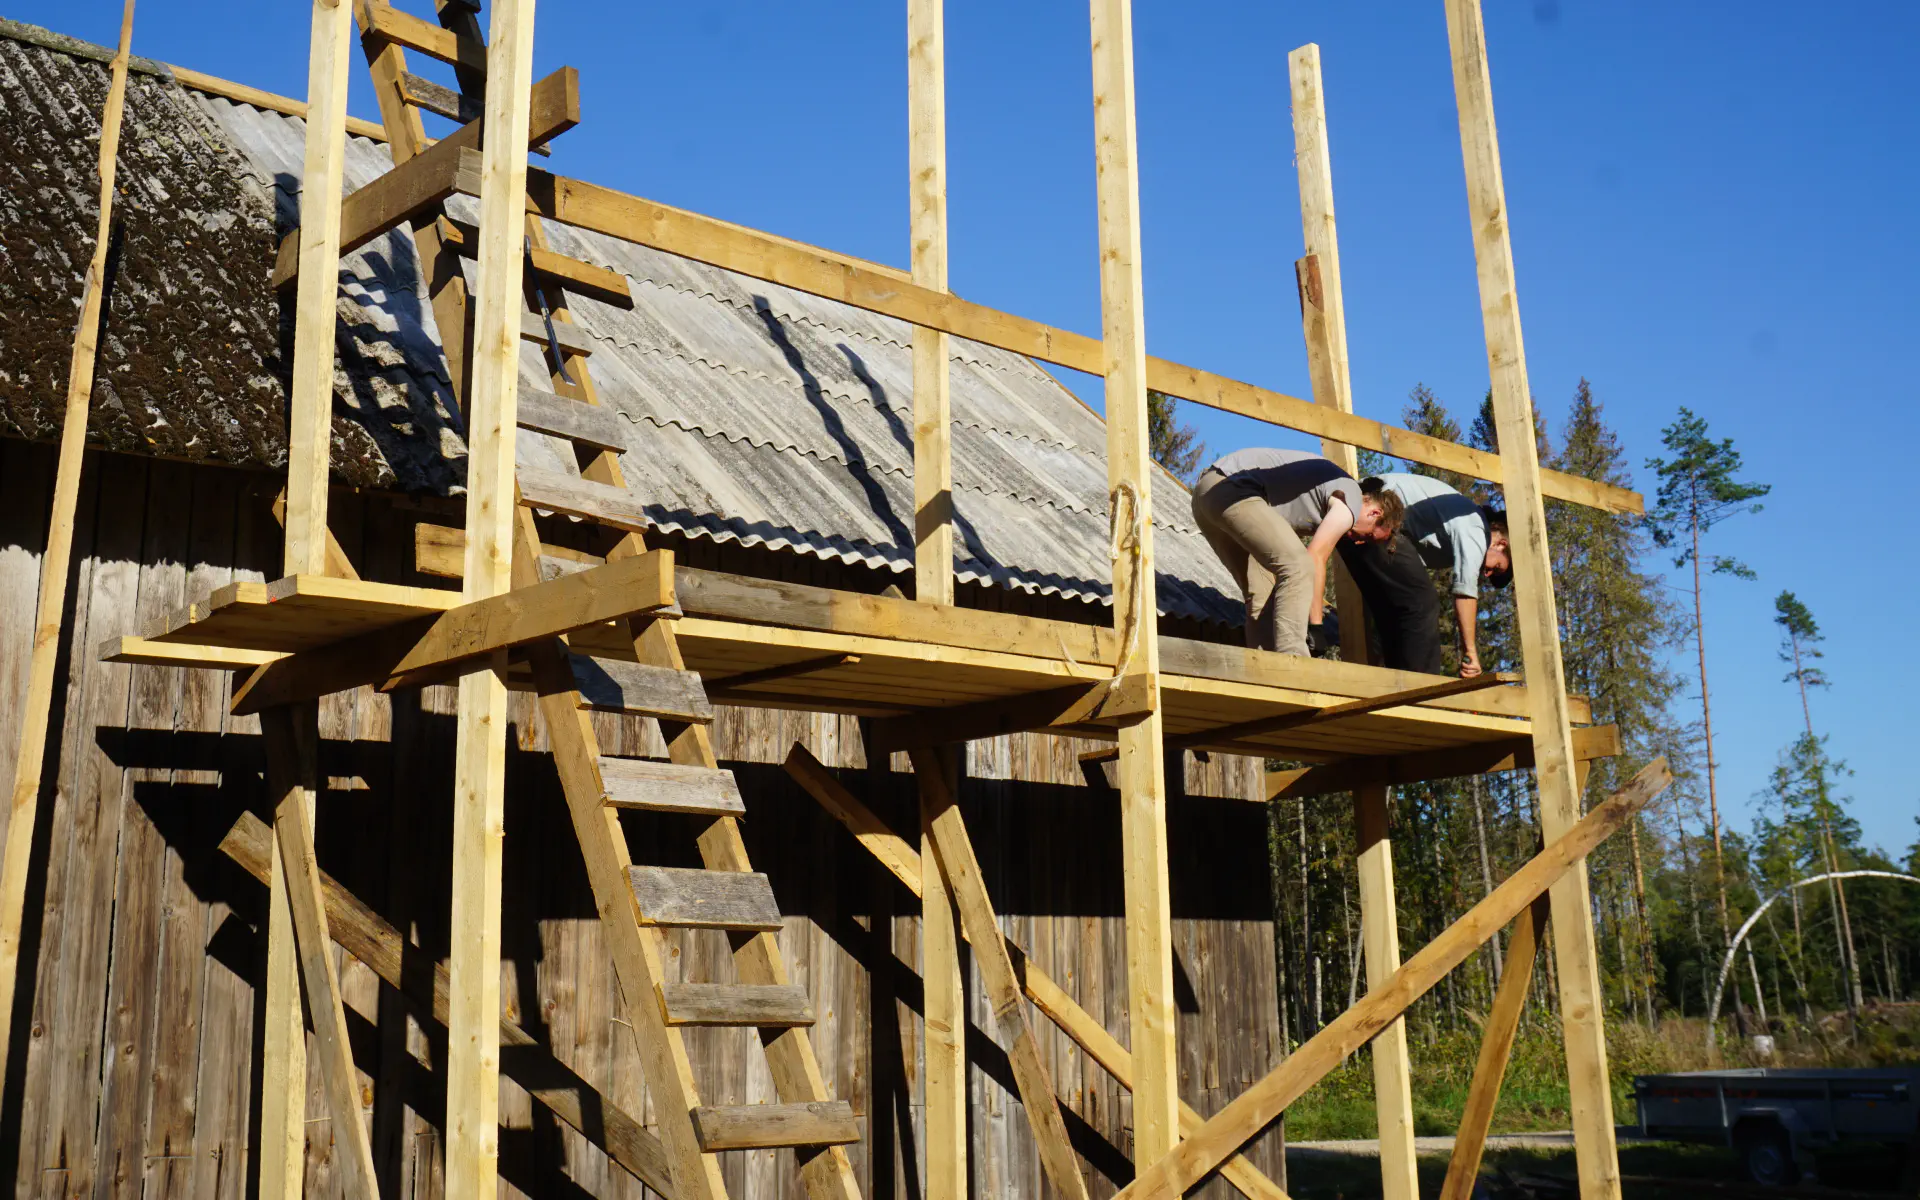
(625, 629)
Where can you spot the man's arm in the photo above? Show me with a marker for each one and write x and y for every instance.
(1332, 528)
(1465, 610)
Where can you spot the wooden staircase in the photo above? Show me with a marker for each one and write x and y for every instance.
(637, 903)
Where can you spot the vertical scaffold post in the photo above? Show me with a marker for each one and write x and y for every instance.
(23, 805)
(1573, 943)
(473, 1027)
(1323, 310)
(932, 411)
(945, 1009)
(283, 1078)
(1142, 775)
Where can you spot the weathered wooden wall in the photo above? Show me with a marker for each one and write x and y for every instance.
(139, 1029)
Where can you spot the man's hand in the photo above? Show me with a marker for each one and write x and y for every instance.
(1469, 666)
(1324, 638)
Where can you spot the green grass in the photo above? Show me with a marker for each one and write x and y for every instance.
(1533, 1097)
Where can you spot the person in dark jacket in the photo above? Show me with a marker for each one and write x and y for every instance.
(1442, 530)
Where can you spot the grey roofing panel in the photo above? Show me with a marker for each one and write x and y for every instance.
(761, 414)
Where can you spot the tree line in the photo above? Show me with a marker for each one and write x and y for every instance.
(1669, 892)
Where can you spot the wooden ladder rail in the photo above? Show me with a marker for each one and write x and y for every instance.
(828, 1172)
(638, 948)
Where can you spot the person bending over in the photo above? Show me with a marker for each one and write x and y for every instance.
(1443, 530)
(1255, 505)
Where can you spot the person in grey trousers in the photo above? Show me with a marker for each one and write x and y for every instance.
(1255, 506)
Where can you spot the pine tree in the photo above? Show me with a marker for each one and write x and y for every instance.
(1820, 829)
(1425, 414)
(1614, 621)
(1698, 491)
(1800, 646)
(1173, 445)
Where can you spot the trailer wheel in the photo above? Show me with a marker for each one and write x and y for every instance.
(1768, 1154)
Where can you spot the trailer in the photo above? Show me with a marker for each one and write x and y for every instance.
(1777, 1117)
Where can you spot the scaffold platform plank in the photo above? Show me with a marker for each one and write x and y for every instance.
(893, 657)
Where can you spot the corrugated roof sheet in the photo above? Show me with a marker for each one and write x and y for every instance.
(763, 415)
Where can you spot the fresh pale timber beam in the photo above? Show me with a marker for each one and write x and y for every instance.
(886, 291)
(292, 738)
(473, 1051)
(943, 1002)
(309, 438)
(960, 869)
(1582, 1004)
(1322, 309)
(24, 801)
(310, 403)
(932, 402)
(1257, 1107)
(1354, 708)
(1380, 933)
(424, 180)
(1141, 772)
(895, 854)
(1511, 754)
(1496, 1046)
(379, 947)
(431, 649)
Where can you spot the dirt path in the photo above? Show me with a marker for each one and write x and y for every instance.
(1370, 1147)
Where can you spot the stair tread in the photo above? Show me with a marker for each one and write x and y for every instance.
(763, 1005)
(571, 338)
(588, 424)
(692, 898)
(613, 685)
(668, 787)
(761, 1126)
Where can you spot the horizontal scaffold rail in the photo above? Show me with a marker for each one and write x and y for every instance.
(889, 292)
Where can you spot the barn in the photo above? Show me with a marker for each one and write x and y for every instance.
(768, 435)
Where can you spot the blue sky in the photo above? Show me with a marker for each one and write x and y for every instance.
(1711, 206)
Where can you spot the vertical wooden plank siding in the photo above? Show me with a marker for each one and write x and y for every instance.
(29, 760)
(473, 1042)
(1575, 955)
(1143, 799)
(175, 960)
(932, 408)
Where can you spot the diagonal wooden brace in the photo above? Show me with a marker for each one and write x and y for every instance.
(1258, 1106)
(1496, 1046)
(379, 947)
(437, 647)
(293, 769)
(954, 849)
(904, 862)
(424, 181)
